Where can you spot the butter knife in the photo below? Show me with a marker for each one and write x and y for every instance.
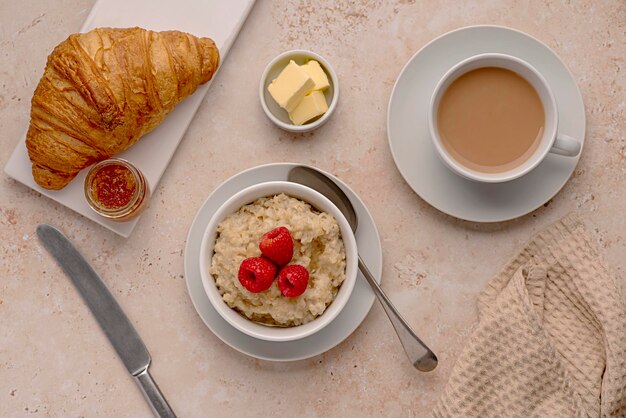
(118, 329)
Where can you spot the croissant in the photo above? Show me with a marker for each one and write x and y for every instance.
(102, 90)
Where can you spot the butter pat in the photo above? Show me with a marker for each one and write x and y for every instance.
(315, 71)
(311, 106)
(290, 86)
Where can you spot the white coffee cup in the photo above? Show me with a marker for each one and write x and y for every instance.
(551, 142)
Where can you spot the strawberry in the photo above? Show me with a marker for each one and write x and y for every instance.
(256, 274)
(293, 280)
(277, 245)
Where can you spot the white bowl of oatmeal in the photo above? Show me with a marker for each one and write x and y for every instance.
(323, 243)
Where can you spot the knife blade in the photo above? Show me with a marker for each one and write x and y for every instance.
(108, 313)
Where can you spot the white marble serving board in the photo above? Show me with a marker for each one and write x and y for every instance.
(217, 19)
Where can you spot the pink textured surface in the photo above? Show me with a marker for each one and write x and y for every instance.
(55, 362)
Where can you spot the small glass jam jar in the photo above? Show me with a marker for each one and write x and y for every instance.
(116, 189)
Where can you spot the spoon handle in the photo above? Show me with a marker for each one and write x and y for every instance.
(420, 355)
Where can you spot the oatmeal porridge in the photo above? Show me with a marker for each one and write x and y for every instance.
(317, 246)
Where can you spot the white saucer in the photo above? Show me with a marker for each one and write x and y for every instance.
(415, 155)
(348, 320)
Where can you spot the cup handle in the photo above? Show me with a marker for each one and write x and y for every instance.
(565, 145)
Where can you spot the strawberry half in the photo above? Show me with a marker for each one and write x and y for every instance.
(277, 245)
(256, 274)
(293, 280)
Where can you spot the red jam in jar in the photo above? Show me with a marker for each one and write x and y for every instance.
(116, 189)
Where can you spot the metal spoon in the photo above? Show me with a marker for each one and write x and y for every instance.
(420, 355)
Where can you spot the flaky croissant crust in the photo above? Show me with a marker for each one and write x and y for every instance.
(102, 90)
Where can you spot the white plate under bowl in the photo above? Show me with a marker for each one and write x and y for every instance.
(343, 325)
(416, 157)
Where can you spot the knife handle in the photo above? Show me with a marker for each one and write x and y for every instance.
(160, 407)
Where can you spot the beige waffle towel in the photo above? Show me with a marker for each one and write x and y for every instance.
(551, 340)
